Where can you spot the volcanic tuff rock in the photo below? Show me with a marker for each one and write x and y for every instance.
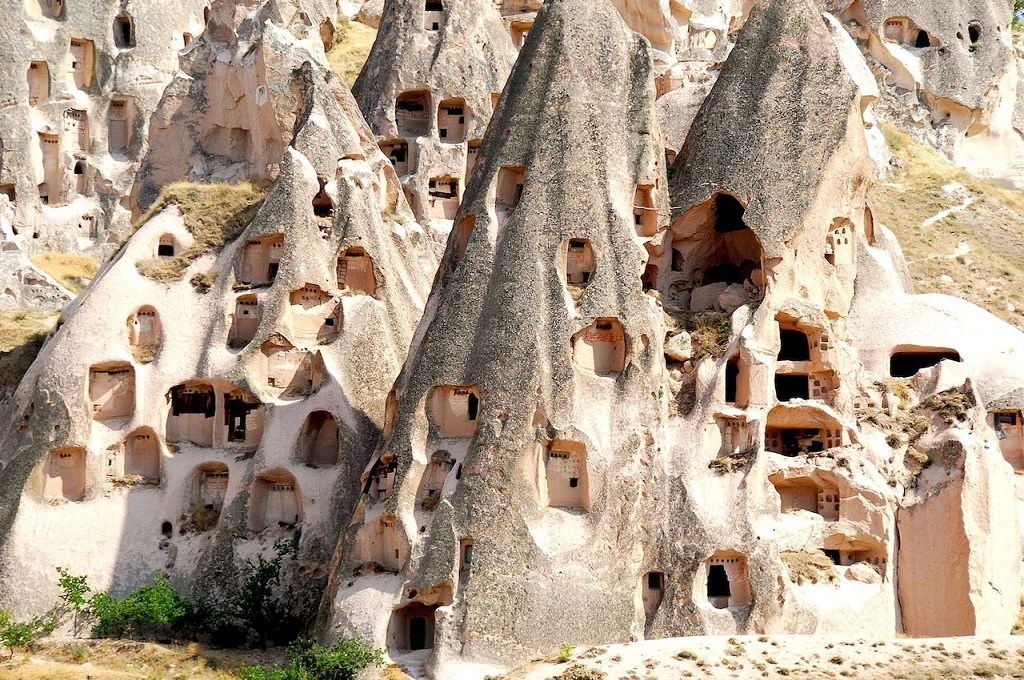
(428, 89)
(948, 75)
(186, 423)
(546, 477)
(515, 367)
(22, 284)
(78, 84)
(617, 419)
(231, 111)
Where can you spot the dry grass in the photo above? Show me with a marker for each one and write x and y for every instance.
(103, 659)
(21, 336)
(352, 43)
(710, 332)
(578, 672)
(728, 464)
(145, 354)
(977, 253)
(74, 271)
(952, 406)
(810, 566)
(214, 214)
(202, 519)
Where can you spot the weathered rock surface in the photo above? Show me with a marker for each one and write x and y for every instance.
(428, 89)
(186, 424)
(22, 284)
(947, 74)
(503, 484)
(480, 454)
(639, 402)
(78, 83)
(234, 107)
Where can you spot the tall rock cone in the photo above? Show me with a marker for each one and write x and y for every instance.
(820, 457)
(757, 271)
(221, 385)
(428, 89)
(501, 512)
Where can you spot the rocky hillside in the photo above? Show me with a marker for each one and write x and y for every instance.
(572, 328)
(962, 236)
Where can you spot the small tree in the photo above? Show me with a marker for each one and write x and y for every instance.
(256, 604)
(151, 611)
(16, 635)
(74, 593)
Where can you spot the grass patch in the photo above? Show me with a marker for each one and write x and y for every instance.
(74, 271)
(725, 465)
(214, 214)
(952, 406)
(125, 658)
(709, 332)
(992, 227)
(809, 566)
(352, 43)
(21, 337)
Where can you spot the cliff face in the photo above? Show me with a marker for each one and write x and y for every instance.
(658, 388)
(236, 104)
(79, 83)
(619, 423)
(948, 76)
(221, 384)
(523, 419)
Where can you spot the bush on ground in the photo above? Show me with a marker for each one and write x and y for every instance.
(306, 661)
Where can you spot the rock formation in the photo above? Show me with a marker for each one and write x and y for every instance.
(642, 399)
(234, 107)
(79, 83)
(948, 75)
(428, 89)
(22, 284)
(523, 458)
(199, 403)
(546, 476)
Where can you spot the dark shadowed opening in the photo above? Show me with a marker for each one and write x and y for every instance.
(907, 364)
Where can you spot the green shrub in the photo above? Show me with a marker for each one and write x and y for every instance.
(564, 653)
(14, 635)
(256, 603)
(153, 610)
(254, 613)
(308, 661)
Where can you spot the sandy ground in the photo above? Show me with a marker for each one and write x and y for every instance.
(124, 660)
(788, 656)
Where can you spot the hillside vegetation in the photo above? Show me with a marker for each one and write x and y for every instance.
(352, 43)
(21, 335)
(72, 270)
(961, 236)
(214, 214)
